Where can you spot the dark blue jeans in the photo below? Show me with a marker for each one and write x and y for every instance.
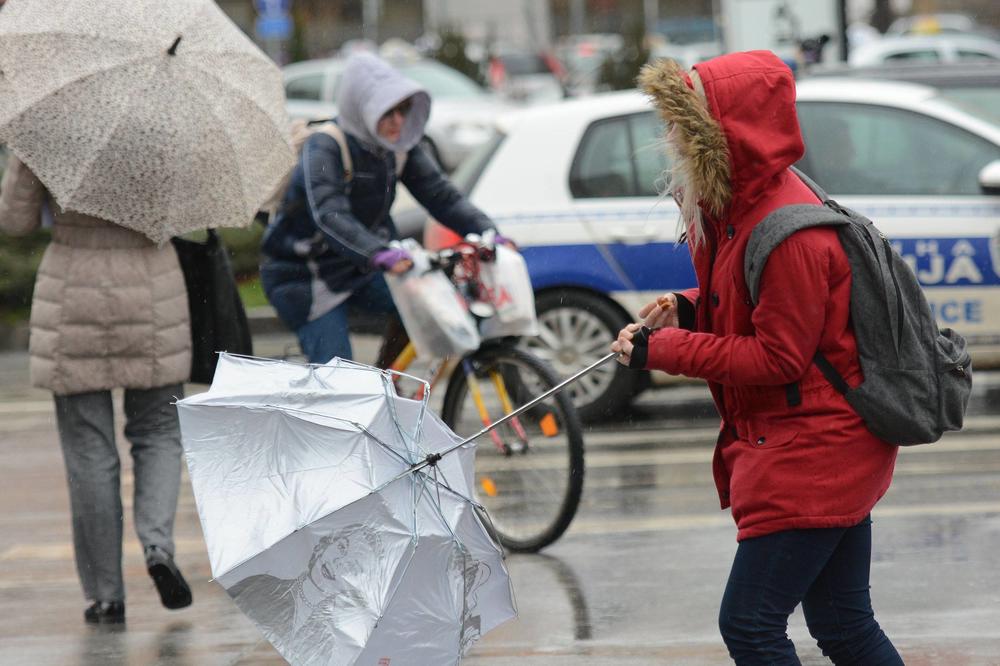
(827, 571)
(329, 335)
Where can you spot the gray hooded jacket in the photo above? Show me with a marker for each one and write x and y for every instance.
(369, 88)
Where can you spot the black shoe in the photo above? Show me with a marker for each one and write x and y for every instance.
(173, 589)
(105, 612)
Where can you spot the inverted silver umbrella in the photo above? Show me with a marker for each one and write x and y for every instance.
(160, 116)
(334, 521)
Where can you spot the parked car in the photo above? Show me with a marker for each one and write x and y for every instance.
(686, 55)
(462, 111)
(582, 56)
(942, 23)
(929, 48)
(526, 77)
(599, 240)
(976, 84)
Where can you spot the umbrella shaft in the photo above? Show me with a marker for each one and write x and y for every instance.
(552, 391)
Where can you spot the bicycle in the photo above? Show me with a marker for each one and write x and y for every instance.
(529, 477)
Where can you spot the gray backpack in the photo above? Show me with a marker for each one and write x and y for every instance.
(917, 377)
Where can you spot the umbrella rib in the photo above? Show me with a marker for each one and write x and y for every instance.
(318, 518)
(229, 141)
(454, 537)
(83, 172)
(293, 411)
(340, 361)
(66, 33)
(195, 64)
(441, 484)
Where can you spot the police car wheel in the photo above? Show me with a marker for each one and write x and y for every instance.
(576, 330)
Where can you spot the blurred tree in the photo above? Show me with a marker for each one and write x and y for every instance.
(244, 250)
(451, 52)
(618, 71)
(297, 43)
(19, 256)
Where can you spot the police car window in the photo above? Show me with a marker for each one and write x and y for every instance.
(308, 87)
(966, 55)
(650, 160)
(861, 149)
(603, 164)
(928, 55)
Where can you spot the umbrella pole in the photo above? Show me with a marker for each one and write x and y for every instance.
(435, 457)
(552, 391)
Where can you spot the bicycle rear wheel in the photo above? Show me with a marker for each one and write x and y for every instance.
(529, 470)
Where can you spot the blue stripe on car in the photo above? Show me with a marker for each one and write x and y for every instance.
(938, 262)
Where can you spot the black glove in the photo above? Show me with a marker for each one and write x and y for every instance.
(640, 348)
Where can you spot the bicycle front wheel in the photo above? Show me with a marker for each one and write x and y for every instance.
(529, 470)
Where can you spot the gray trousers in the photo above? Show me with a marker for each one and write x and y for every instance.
(87, 434)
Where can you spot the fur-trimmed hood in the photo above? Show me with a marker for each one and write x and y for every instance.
(736, 123)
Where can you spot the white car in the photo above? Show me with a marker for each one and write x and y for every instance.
(943, 23)
(927, 49)
(576, 186)
(462, 112)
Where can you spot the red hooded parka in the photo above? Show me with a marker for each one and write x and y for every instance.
(778, 466)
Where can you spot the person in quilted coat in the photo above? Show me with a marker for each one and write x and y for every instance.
(795, 464)
(109, 311)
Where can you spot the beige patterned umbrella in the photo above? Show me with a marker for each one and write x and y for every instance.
(160, 116)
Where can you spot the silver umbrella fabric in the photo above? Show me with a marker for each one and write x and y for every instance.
(160, 116)
(320, 529)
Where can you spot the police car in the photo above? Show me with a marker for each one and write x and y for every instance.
(577, 186)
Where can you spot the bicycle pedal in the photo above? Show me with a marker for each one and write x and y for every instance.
(517, 447)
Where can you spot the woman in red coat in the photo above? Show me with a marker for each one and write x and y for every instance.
(795, 463)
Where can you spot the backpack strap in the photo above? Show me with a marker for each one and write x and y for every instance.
(812, 185)
(333, 129)
(775, 228)
(401, 156)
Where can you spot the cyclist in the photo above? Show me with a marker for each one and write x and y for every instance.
(330, 239)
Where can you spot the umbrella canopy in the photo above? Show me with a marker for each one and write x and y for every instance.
(160, 116)
(318, 525)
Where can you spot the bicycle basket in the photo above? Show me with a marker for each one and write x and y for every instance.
(435, 315)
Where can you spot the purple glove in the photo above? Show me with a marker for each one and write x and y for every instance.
(503, 240)
(385, 259)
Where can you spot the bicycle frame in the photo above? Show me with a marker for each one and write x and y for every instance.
(406, 357)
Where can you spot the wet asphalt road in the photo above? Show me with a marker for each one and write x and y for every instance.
(636, 580)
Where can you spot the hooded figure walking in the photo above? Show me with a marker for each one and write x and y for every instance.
(330, 240)
(793, 460)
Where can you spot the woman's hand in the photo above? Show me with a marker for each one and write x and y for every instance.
(661, 313)
(393, 260)
(401, 266)
(623, 344)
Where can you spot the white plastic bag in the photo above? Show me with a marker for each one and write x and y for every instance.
(435, 315)
(508, 289)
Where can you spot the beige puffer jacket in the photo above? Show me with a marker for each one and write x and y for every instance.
(110, 307)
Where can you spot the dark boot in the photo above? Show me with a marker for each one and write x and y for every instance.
(105, 612)
(173, 589)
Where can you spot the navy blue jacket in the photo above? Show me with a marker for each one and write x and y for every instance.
(327, 229)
